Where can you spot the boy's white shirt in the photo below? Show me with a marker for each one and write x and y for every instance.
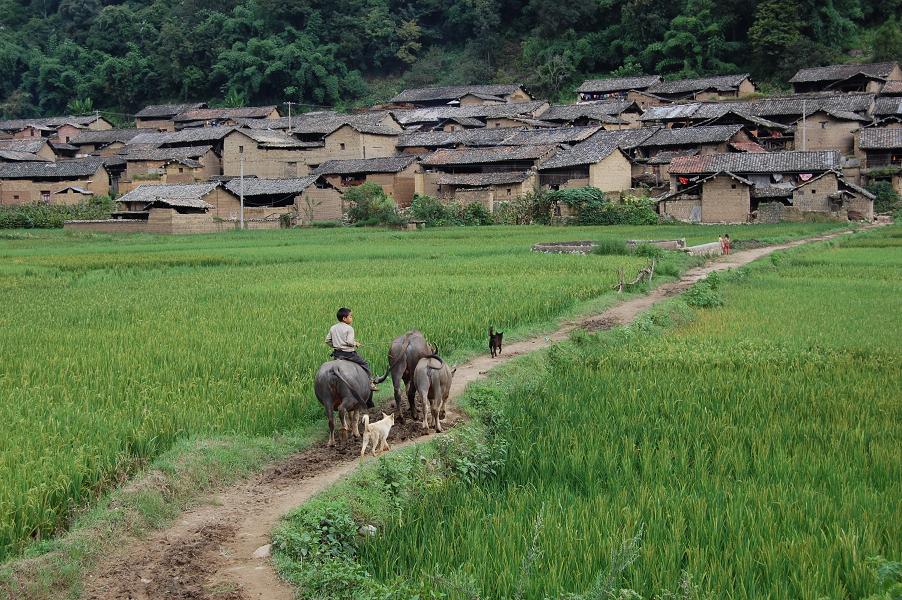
(341, 337)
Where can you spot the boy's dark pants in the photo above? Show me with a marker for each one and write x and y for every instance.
(354, 358)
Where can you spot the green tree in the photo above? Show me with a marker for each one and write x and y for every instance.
(774, 34)
(888, 41)
(695, 44)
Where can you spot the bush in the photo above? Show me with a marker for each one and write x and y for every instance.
(41, 215)
(370, 206)
(437, 214)
(593, 208)
(887, 199)
(705, 293)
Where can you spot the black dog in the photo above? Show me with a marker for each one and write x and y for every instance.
(495, 341)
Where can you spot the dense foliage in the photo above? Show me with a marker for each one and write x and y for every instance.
(887, 199)
(437, 213)
(592, 207)
(369, 205)
(117, 56)
(40, 214)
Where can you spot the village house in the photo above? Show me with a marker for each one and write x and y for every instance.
(769, 135)
(184, 138)
(462, 95)
(729, 188)
(222, 203)
(219, 117)
(615, 88)
(598, 162)
(396, 175)
(30, 182)
(184, 165)
(487, 189)
(888, 111)
(16, 150)
(267, 154)
(880, 149)
(846, 78)
(162, 116)
(421, 142)
(703, 88)
(60, 129)
(499, 115)
(303, 199)
(107, 142)
(342, 137)
(611, 114)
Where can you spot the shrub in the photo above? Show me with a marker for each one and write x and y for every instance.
(41, 215)
(370, 206)
(611, 247)
(705, 293)
(437, 214)
(593, 208)
(887, 199)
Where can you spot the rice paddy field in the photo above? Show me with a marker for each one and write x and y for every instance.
(754, 446)
(112, 348)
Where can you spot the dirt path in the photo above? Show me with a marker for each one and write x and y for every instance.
(208, 553)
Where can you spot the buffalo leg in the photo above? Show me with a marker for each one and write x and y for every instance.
(396, 382)
(412, 399)
(330, 414)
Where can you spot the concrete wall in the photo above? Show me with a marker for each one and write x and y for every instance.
(25, 191)
(612, 174)
(725, 200)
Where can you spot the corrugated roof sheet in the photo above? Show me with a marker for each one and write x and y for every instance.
(838, 72)
(482, 179)
(618, 84)
(80, 167)
(755, 162)
(268, 187)
(880, 138)
(107, 136)
(685, 86)
(391, 164)
(453, 92)
(474, 156)
(162, 111)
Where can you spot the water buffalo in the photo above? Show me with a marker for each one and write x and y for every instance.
(432, 378)
(403, 355)
(343, 386)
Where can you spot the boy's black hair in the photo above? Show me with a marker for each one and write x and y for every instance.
(342, 313)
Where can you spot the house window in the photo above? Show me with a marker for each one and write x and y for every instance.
(497, 124)
(813, 191)
(181, 170)
(240, 149)
(823, 124)
(45, 196)
(733, 186)
(508, 191)
(16, 197)
(342, 146)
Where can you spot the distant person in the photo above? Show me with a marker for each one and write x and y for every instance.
(344, 344)
(727, 244)
(723, 245)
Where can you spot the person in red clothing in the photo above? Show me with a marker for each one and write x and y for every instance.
(727, 244)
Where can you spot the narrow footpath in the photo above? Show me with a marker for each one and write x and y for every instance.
(211, 551)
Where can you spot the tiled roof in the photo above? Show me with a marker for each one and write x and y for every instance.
(155, 154)
(81, 167)
(665, 158)
(375, 123)
(390, 164)
(893, 88)
(748, 147)
(162, 111)
(685, 86)
(880, 138)
(254, 186)
(149, 192)
(482, 179)
(775, 107)
(887, 106)
(183, 136)
(496, 136)
(475, 156)
(470, 122)
(838, 72)
(755, 162)
(266, 138)
(178, 203)
(604, 111)
(48, 122)
(16, 156)
(597, 147)
(32, 146)
(686, 136)
(434, 114)
(618, 84)
(209, 114)
(700, 182)
(107, 136)
(453, 92)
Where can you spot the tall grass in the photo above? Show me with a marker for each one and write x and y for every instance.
(758, 446)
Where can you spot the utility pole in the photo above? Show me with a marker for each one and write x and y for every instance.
(241, 186)
(804, 131)
(289, 103)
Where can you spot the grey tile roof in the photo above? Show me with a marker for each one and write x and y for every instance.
(687, 136)
(482, 179)
(184, 136)
(375, 123)
(162, 154)
(254, 186)
(496, 136)
(772, 191)
(606, 112)
(880, 138)
(162, 111)
(32, 146)
(453, 92)
(149, 192)
(891, 88)
(178, 203)
(758, 162)
(685, 86)
(107, 136)
(781, 106)
(839, 72)
(597, 147)
(475, 156)
(390, 164)
(434, 114)
(16, 156)
(210, 114)
(618, 84)
(665, 158)
(49, 122)
(888, 106)
(266, 138)
(61, 169)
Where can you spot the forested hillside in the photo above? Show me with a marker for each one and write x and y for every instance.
(58, 55)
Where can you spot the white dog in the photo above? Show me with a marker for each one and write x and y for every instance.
(377, 433)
